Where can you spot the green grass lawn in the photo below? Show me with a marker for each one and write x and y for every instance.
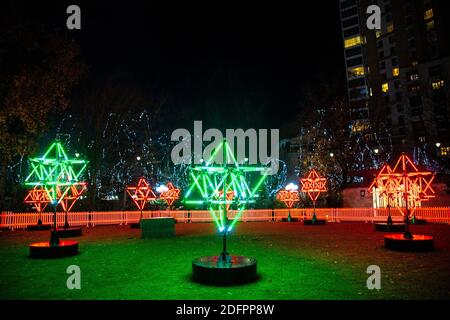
(294, 262)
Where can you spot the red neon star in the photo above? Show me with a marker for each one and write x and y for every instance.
(72, 195)
(141, 194)
(313, 184)
(289, 197)
(171, 194)
(38, 197)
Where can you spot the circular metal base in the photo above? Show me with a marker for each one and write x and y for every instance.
(419, 242)
(240, 270)
(69, 233)
(136, 225)
(43, 250)
(318, 222)
(39, 227)
(386, 227)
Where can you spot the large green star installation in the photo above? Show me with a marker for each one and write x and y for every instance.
(220, 187)
(55, 172)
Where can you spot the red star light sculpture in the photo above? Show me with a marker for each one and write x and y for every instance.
(38, 197)
(170, 194)
(141, 194)
(313, 185)
(386, 186)
(413, 187)
(72, 195)
(289, 195)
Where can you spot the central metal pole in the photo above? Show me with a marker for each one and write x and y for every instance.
(314, 218)
(54, 239)
(389, 219)
(407, 234)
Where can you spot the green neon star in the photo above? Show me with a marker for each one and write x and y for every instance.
(55, 171)
(220, 186)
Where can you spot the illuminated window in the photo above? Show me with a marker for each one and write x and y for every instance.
(430, 25)
(351, 42)
(445, 151)
(396, 72)
(355, 72)
(385, 87)
(378, 34)
(390, 27)
(414, 77)
(428, 14)
(437, 84)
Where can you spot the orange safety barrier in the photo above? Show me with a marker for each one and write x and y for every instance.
(20, 220)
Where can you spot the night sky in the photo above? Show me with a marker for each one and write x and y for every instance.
(228, 66)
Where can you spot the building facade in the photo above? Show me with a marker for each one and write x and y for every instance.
(398, 77)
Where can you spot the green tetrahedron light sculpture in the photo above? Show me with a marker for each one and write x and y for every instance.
(221, 186)
(56, 173)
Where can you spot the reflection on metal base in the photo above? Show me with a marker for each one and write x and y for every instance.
(419, 242)
(213, 270)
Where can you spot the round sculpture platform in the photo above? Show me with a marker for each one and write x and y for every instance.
(419, 242)
(318, 222)
(393, 227)
(136, 225)
(287, 220)
(39, 227)
(240, 270)
(69, 232)
(43, 250)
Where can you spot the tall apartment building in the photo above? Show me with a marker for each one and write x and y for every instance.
(399, 76)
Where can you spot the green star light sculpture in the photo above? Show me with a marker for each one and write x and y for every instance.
(56, 173)
(219, 187)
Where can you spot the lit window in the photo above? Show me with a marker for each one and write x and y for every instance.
(378, 34)
(385, 87)
(390, 27)
(414, 77)
(428, 14)
(437, 84)
(395, 72)
(351, 42)
(430, 25)
(445, 151)
(355, 72)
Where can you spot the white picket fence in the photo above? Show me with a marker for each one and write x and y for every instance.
(20, 220)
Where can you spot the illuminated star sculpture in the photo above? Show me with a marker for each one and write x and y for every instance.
(386, 186)
(38, 197)
(413, 187)
(313, 185)
(55, 172)
(289, 195)
(74, 193)
(219, 187)
(169, 193)
(141, 194)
